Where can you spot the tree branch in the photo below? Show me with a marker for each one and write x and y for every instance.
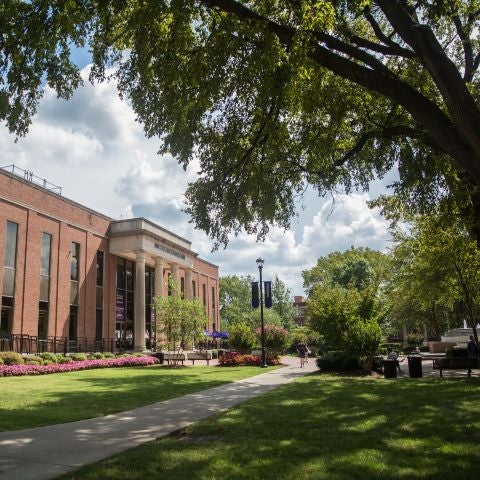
(467, 48)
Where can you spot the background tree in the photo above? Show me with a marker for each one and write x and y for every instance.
(437, 267)
(283, 303)
(272, 96)
(276, 339)
(235, 299)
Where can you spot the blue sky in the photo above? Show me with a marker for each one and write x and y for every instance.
(92, 147)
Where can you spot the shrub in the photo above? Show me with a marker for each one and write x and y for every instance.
(414, 339)
(241, 337)
(79, 357)
(276, 338)
(51, 357)
(34, 360)
(108, 355)
(63, 359)
(235, 359)
(17, 370)
(456, 352)
(1, 361)
(11, 358)
(96, 356)
(338, 361)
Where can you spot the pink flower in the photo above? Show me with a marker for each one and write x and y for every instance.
(17, 370)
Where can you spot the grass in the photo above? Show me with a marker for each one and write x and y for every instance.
(35, 401)
(322, 427)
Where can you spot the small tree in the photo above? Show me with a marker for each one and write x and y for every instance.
(241, 337)
(179, 320)
(276, 338)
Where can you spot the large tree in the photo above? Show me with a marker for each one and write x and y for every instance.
(272, 95)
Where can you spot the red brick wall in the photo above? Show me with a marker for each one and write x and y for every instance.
(32, 209)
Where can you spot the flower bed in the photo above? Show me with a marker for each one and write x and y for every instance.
(235, 359)
(18, 370)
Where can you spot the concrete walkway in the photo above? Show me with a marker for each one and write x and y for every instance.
(46, 452)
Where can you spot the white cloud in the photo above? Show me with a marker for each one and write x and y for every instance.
(93, 147)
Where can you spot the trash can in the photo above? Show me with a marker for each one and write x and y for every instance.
(159, 357)
(415, 366)
(390, 368)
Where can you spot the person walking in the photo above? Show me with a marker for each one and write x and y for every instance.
(302, 350)
(472, 347)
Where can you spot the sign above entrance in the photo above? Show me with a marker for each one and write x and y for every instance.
(171, 251)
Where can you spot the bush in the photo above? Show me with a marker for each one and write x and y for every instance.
(79, 357)
(34, 360)
(338, 361)
(456, 352)
(96, 356)
(235, 359)
(108, 355)
(1, 361)
(414, 339)
(63, 359)
(276, 338)
(241, 337)
(12, 358)
(51, 357)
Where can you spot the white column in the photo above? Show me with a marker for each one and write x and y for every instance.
(140, 302)
(159, 277)
(188, 284)
(176, 278)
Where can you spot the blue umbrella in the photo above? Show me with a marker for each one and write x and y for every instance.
(223, 335)
(208, 334)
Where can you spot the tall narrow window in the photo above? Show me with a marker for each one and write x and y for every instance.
(74, 278)
(149, 306)
(182, 287)
(125, 304)
(204, 295)
(213, 307)
(99, 301)
(194, 289)
(45, 260)
(9, 270)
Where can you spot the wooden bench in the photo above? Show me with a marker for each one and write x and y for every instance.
(173, 357)
(455, 363)
(199, 356)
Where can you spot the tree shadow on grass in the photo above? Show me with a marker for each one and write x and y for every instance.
(325, 428)
(95, 393)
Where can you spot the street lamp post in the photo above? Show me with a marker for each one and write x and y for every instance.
(263, 362)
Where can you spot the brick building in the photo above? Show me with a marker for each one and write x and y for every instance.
(300, 310)
(73, 279)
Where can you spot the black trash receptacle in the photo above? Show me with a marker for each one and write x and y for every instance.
(415, 366)
(159, 356)
(390, 368)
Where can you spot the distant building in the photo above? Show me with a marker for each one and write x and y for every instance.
(73, 279)
(300, 310)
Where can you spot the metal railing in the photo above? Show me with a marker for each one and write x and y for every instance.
(29, 344)
(31, 177)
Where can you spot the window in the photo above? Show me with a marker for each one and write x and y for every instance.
(182, 287)
(204, 294)
(45, 260)
(74, 273)
(73, 322)
(74, 261)
(9, 270)
(10, 259)
(99, 299)
(149, 306)
(125, 304)
(194, 289)
(213, 306)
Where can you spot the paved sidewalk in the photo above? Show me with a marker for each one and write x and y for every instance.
(46, 452)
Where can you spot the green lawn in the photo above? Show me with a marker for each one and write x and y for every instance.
(58, 398)
(323, 427)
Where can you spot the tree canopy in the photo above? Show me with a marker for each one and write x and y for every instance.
(271, 95)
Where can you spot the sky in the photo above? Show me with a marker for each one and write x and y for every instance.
(94, 149)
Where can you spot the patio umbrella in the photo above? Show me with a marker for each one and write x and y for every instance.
(207, 333)
(223, 334)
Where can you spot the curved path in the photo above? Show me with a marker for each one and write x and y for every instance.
(46, 452)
